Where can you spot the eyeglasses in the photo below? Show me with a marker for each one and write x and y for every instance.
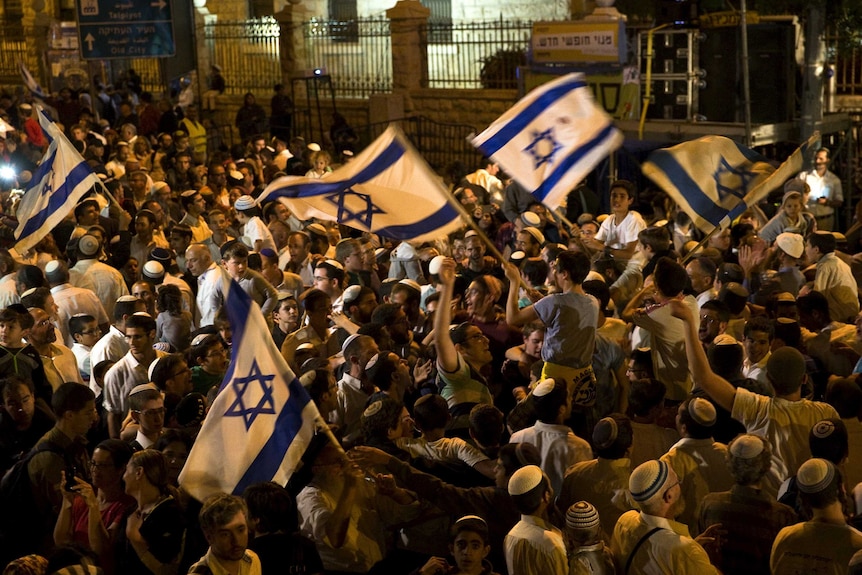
(221, 351)
(181, 372)
(476, 336)
(94, 331)
(158, 412)
(707, 319)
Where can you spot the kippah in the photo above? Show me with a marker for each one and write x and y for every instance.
(537, 235)
(372, 409)
(334, 264)
(821, 429)
(152, 368)
(413, 284)
(283, 295)
(316, 229)
(188, 193)
(472, 518)
(815, 475)
(348, 341)
(372, 362)
(191, 410)
(648, 479)
(786, 320)
(434, 265)
(161, 255)
(725, 339)
(737, 289)
(470, 234)
(532, 219)
(153, 269)
(51, 266)
(163, 346)
(605, 433)
(126, 299)
(525, 479)
(268, 252)
(351, 294)
(304, 346)
(702, 411)
(582, 516)
(746, 446)
(544, 387)
(28, 292)
(159, 186)
(88, 245)
(143, 387)
(244, 203)
(200, 338)
(314, 147)
(517, 257)
(142, 313)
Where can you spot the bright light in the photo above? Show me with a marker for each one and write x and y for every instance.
(7, 173)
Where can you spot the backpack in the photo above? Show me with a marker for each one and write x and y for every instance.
(21, 528)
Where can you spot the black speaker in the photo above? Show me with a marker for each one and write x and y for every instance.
(771, 72)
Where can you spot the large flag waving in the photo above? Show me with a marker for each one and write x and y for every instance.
(714, 179)
(551, 139)
(387, 189)
(60, 181)
(262, 419)
(30, 82)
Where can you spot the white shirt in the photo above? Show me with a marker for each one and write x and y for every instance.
(73, 300)
(103, 280)
(619, 236)
(208, 299)
(534, 547)
(558, 446)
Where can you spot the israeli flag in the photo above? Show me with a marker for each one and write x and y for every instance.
(58, 184)
(262, 418)
(714, 179)
(30, 82)
(388, 189)
(551, 139)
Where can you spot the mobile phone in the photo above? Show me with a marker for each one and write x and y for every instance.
(70, 478)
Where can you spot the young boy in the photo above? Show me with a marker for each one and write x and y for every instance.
(618, 234)
(285, 318)
(247, 214)
(469, 546)
(85, 332)
(18, 357)
(588, 554)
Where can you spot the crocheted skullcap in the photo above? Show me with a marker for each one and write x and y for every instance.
(525, 479)
(582, 516)
(605, 433)
(746, 446)
(815, 475)
(702, 411)
(648, 479)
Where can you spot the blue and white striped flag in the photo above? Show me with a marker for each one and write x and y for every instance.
(551, 139)
(58, 184)
(30, 82)
(714, 179)
(262, 419)
(388, 189)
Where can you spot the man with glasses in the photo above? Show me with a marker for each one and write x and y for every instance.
(147, 408)
(329, 278)
(131, 370)
(651, 537)
(714, 317)
(57, 359)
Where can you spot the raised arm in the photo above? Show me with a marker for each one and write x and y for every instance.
(514, 316)
(718, 388)
(447, 355)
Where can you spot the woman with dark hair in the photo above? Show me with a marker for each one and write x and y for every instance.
(91, 515)
(175, 445)
(156, 528)
(250, 118)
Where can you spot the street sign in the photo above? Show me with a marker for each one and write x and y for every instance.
(111, 29)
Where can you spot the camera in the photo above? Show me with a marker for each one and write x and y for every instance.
(70, 478)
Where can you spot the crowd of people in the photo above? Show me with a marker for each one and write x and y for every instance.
(529, 395)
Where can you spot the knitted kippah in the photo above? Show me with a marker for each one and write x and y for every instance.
(815, 475)
(544, 387)
(648, 479)
(582, 516)
(348, 341)
(725, 339)
(316, 229)
(532, 219)
(89, 245)
(823, 429)
(702, 411)
(605, 433)
(143, 387)
(746, 446)
(537, 235)
(372, 409)
(351, 294)
(470, 234)
(334, 264)
(153, 269)
(525, 479)
(126, 299)
(244, 203)
(517, 257)
(413, 284)
(51, 266)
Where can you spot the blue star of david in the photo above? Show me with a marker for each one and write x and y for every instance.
(266, 404)
(48, 188)
(541, 142)
(730, 180)
(363, 215)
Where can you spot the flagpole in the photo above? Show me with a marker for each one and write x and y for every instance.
(700, 244)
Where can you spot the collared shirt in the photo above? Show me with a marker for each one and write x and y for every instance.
(248, 565)
(535, 547)
(112, 346)
(121, 379)
(558, 446)
(106, 282)
(208, 298)
(351, 400)
(61, 366)
(669, 551)
(255, 229)
(826, 186)
(757, 370)
(834, 280)
(73, 300)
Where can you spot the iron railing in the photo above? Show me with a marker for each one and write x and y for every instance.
(14, 47)
(479, 55)
(248, 53)
(357, 54)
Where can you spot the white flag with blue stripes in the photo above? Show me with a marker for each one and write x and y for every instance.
(714, 179)
(30, 82)
(551, 139)
(388, 189)
(262, 418)
(58, 184)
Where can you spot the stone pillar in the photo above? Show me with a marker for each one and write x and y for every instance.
(291, 42)
(38, 16)
(407, 20)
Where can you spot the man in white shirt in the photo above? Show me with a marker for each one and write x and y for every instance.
(200, 264)
(826, 194)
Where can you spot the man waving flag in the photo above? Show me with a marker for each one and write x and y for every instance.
(262, 419)
(59, 183)
(551, 139)
(388, 189)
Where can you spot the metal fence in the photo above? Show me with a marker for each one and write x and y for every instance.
(14, 48)
(248, 53)
(478, 55)
(357, 54)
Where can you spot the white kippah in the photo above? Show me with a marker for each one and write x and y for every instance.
(702, 411)
(52, 266)
(372, 409)
(582, 516)
(746, 446)
(316, 229)
(28, 292)
(199, 339)
(348, 341)
(517, 257)
(334, 264)
(372, 362)
(815, 475)
(525, 479)
(434, 266)
(126, 299)
(413, 284)
(244, 203)
(537, 235)
(821, 429)
(154, 269)
(532, 219)
(544, 387)
(470, 234)
(350, 295)
(648, 479)
(143, 387)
